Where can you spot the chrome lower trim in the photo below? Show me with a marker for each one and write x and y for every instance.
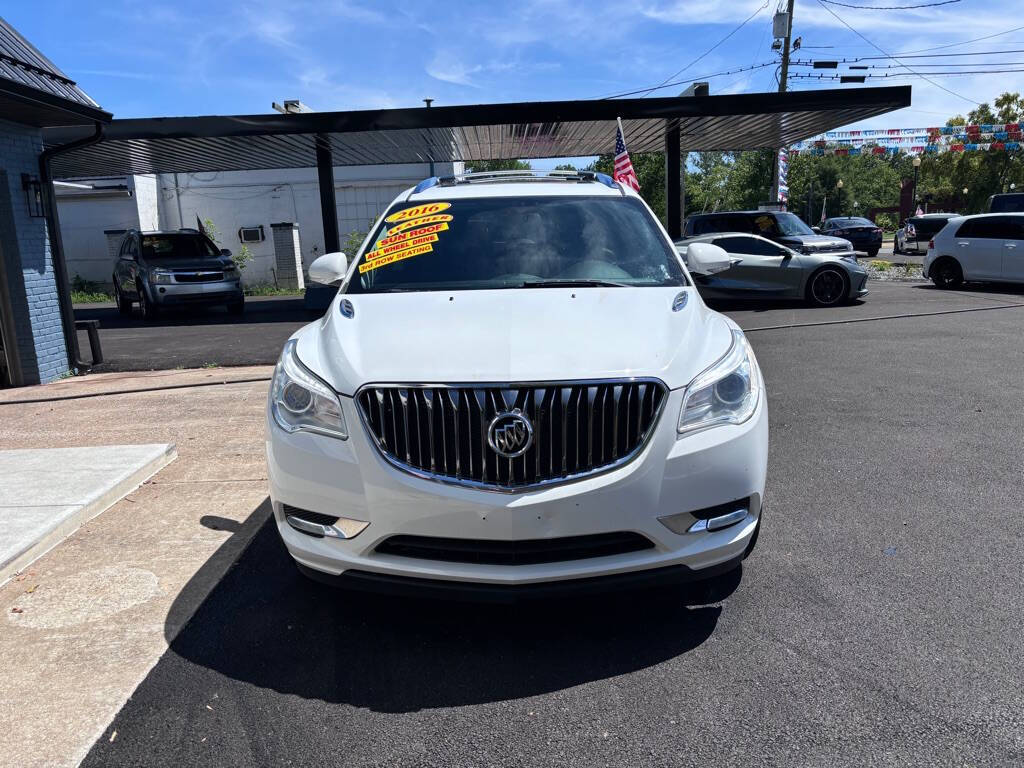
(720, 522)
(325, 531)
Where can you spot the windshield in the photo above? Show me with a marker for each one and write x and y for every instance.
(177, 246)
(789, 224)
(517, 242)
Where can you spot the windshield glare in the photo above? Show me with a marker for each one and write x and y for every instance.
(175, 246)
(516, 242)
(789, 224)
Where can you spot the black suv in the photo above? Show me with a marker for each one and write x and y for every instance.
(161, 269)
(780, 226)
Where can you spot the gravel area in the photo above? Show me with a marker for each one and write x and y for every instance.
(878, 269)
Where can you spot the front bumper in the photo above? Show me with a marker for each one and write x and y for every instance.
(175, 294)
(349, 478)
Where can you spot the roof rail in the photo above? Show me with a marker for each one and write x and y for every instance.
(494, 177)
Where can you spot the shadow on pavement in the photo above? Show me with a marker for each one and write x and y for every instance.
(266, 625)
(767, 305)
(256, 311)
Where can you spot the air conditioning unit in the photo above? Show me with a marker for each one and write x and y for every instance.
(251, 234)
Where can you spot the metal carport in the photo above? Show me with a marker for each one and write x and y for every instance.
(527, 130)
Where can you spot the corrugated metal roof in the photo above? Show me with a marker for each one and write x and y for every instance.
(476, 132)
(22, 62)
(34, 90)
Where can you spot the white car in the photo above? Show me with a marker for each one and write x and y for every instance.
(517, 386)
(986, 247)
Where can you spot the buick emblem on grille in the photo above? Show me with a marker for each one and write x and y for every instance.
(510, 434)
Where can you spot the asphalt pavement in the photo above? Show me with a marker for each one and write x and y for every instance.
(879, 622)
(197, 338)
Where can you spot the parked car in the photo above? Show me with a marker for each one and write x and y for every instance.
(864, 234)
(174, 268)
(780, 226)
(985, 247)
(1010, 202)
(512, 389)
(763, 269)
(916, 231)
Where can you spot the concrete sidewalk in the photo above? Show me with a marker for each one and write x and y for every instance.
(81, 626)
(47, 493)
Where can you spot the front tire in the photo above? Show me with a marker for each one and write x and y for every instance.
(150, 311)
(873, 252)
(828, 287)
(946, 274)
(236, 307)
(124, 306)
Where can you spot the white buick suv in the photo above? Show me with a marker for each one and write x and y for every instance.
(517, 389)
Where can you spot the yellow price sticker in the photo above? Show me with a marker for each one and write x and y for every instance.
(397, 256)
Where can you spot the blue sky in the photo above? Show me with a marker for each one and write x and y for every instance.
(228, 56)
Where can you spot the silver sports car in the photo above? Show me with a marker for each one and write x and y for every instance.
(765, 269)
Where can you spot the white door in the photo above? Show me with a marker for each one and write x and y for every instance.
(1013, 250)
(978, 246)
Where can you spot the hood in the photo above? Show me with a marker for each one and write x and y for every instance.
(816, 243)
(179, 263)
(517, 335)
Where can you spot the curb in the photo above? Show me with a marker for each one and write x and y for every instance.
(87, 512)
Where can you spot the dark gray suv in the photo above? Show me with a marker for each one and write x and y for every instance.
(780, 226)
(174, 268)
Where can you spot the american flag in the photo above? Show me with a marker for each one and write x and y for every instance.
(624, 172)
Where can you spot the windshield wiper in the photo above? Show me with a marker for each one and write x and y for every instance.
(572, 284)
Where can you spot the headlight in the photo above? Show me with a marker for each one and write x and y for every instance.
(726, 393)
(160, 276)
(301, 401)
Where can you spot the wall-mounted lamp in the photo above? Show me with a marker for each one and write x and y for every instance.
(33, 196)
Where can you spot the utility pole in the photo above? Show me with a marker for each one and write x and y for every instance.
(783, 75)
(428, 102)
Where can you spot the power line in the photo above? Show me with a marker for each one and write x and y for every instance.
(889, 55)
(891, 7)
(962, 42)
(809, 76)
(691, 80)
(943, 64)
(855, 59)
(665, 83)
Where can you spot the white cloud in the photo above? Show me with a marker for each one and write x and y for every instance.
(448, 68)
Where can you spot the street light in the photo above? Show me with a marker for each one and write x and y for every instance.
(839, 187)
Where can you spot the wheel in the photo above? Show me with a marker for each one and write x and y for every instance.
(236, 307)
(124, 306)
(828, 287)
(946, 273)
(150, 311)
(873, 252)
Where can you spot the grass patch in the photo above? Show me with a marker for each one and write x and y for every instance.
(90, 297)
(880, 264)
(88, 291)
(269, 289)
(210, 365)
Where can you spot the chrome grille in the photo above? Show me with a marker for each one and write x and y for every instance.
(203, 276)
(579, 428)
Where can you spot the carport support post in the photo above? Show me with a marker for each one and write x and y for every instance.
(328, 206)
(673, 181)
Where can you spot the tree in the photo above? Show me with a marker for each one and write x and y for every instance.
(489, 166)
(566, 167)
(650, 172)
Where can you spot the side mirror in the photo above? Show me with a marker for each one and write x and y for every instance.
(225, 252)
(329, 268)
(707, 259)
(816, 230)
